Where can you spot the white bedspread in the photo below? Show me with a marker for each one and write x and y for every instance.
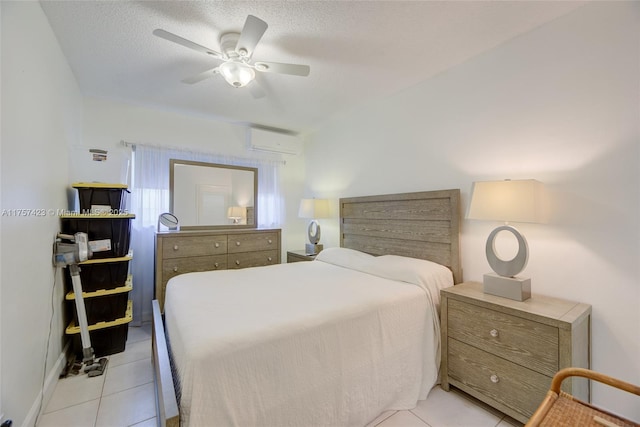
(301, 344)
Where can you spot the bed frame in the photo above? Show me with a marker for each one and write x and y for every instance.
(421, 225)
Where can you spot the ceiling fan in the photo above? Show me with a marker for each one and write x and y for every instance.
(237, 49)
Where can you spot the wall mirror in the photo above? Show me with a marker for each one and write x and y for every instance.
(209, 195)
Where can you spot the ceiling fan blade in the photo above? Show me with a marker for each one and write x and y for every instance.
(186, 43)
(277, 67)
(251, 34)
(200, 77)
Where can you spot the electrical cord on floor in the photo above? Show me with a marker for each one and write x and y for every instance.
(46, 354)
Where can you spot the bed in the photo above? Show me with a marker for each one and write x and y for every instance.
(334, 341)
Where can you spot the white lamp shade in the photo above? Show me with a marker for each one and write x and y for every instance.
(314, 208)
(236, 212)
(511, 201)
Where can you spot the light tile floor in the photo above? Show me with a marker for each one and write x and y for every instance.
(124, 396)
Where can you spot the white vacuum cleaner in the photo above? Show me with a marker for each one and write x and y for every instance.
(70, 255)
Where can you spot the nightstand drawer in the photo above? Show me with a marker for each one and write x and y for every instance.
(507, 383)
(252, 242)
(184, 246)
(522, 341)
(173, 267)
(252, 259)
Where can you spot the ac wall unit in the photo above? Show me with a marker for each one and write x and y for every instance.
(273, 142)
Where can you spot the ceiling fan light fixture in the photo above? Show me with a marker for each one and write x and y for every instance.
(236, 53)
(237, 74)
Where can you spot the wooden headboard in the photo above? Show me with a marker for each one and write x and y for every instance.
(423, 225)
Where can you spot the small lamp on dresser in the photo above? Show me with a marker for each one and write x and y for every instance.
(313, 209)
(236, 213)
(508, 201)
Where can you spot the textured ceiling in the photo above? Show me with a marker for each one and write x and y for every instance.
(358, 51)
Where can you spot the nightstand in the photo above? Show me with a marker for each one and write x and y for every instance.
(297, 256)
(505, 352)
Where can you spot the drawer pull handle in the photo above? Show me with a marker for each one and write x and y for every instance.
(494, 333)
(494, 379)
(269, 259)
(216, 265)
(237, 243)
(175, 268)
(269, 241)
(175, 247)
(237, 262)
(216, 244)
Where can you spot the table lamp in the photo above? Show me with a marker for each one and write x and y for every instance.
(313, 209)
(508, 201)
(236, 213)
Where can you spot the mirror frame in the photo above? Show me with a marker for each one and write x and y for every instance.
(173, 162)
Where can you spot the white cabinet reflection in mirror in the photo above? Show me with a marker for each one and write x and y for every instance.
(211, 202)
(202, 193)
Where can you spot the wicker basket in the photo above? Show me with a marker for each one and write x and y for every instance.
(560, 409)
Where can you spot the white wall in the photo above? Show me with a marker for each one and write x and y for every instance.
(41, 117)
(559, 104)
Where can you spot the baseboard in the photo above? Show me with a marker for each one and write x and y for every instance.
(42, 399)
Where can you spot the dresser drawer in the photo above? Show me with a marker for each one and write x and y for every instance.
(252, 259)
(190, 246)
(525, 342)
(507, 383)
(249, 242)
(173, 267)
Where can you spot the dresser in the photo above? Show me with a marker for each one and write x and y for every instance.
(189, 251)
(505, 352)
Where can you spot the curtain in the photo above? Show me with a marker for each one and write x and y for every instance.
(150, 197)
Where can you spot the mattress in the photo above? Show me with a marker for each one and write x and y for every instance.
(333, 342)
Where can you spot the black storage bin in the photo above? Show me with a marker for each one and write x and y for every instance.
(105, 274)
(116, 229)
(102, 309)
(101, 195)
(106, 338)
(102, 305)
(104, 342)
